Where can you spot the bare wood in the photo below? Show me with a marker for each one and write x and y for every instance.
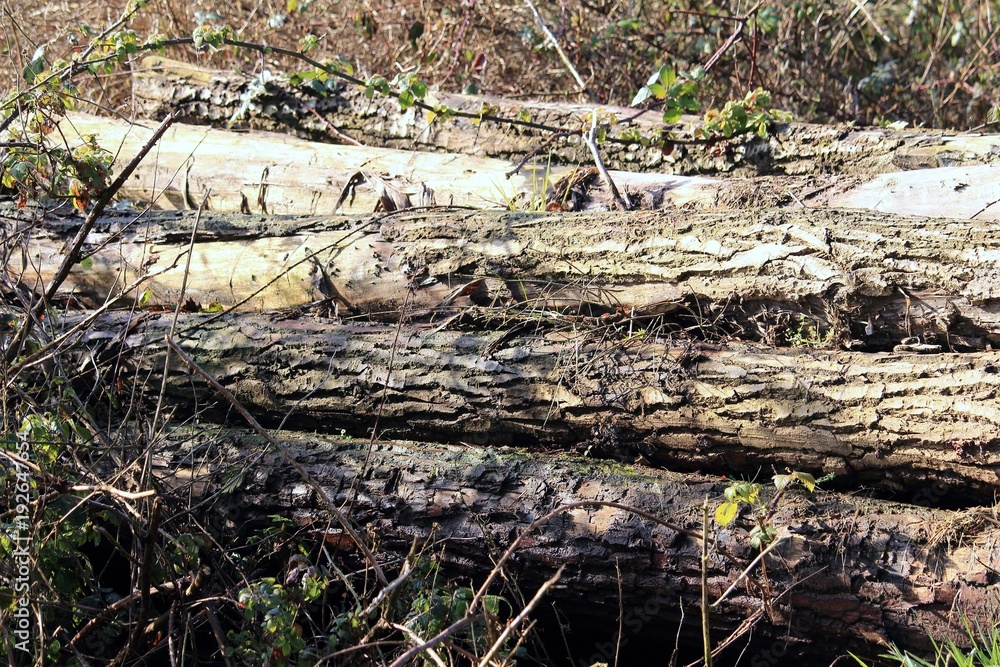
(281, 174)
(205, 96)
(922, 568)
(907, 423)
(872, 278)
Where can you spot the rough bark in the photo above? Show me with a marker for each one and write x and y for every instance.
(853, 573)
(873, 280)
(281, 174)
(203, 96)
(902, 423)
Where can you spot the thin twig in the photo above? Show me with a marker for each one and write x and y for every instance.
(334, 131)
(545, 144)
(590, 138)
(220, 636)
(73, 253)
(177, 310)
(737, 32)
(494, 573)
(562, 54)
(103, 488)
(860, 7)
(983, 209)
(512, 625)
(287, 455)
(123, 603)
(385, 398)
(434, 641)
(621, 613)
(746, 571)
(414, 636)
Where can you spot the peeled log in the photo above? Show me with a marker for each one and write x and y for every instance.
(280, 174)
(852, 574)
(864, 280)
(903, 423)
(204, 96)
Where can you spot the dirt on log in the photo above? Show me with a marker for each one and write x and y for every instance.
(904, 424)
(864, 280)
(851, 574)
(161, 86)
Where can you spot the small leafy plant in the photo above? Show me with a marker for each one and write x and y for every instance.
(678, 95)
(808, 334)
(752, 114)
(749, 493)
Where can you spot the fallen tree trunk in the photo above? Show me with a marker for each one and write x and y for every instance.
(866, 280)
(852, 573)
(282, 175)
(202, 96)
(903, 423)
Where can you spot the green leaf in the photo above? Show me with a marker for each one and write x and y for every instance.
(672, 115)
(405, 100)
(667, 76)
(87, 263)
(644, 94)
(419, 89)
(491, 603)
(144, 298)
(36, 66)
(308, 43)
(658, 91)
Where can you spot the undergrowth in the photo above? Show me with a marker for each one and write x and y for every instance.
(922, 63)
(110, 557)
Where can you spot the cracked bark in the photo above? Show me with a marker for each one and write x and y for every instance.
(201, 96)
(853, 573)
(874, 280)
(907, 425)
